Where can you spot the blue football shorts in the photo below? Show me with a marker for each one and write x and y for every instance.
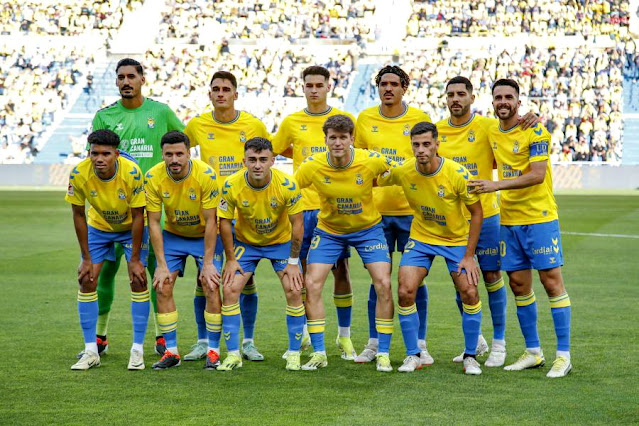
(536, 246)
(102, 245)
(370, 243)
(417, 253)
(397, 231)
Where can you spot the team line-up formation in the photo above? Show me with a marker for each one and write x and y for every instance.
(389, 181)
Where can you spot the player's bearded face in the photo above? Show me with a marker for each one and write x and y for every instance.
(129, 82)
(103, 158)
(390, 89)
(458, 99)
(506, 102)
(176, 157)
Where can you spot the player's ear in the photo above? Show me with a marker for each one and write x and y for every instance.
(143, 79)
(235, 96)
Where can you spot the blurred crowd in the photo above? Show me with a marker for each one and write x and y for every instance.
(67, 18)
(258, 19)
(577, 92)
(267, 78)
(432, 18)
(35, 86)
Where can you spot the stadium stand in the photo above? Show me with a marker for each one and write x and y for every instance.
(579, 91)
(508, 18)
(258, 19)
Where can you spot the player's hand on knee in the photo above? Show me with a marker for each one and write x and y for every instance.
(295, 276)
(85, 270)
(210, 277)
(161, 277)
(472, 270)
(137, 273)
(228, 274)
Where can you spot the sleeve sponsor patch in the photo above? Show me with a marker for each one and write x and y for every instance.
(539, 148)
(224, 206)
(70, 190)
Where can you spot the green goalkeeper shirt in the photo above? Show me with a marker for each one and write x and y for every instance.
(140, 129)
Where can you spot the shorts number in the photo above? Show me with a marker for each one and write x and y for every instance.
(239, 251)
(315, 242)
(502, 248)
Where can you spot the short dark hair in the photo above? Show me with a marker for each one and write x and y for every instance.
(225, 75)
(258, 144)
(506, 82)
(316, 70)
(174, 137)
(461, 80)
(104, 137)
(339, 123)
(424, 127)
(404, 79)
(130, 62)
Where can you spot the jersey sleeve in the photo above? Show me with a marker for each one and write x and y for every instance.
(388, 178)
(189, 131)
(461, 186)
(304, 173)
(226, 206)
(75, 194)
(210, 190)
(293, 197)
(282, 139)
(172, 121)
(153, 196)
(138, 196)
(539, 143)
(359, 142)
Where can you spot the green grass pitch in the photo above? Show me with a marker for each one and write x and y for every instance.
(41, 335)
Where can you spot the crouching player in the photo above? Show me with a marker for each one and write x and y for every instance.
(114, 188)
(436, 189)
(269, 226)
(343, 177)
(187, 189)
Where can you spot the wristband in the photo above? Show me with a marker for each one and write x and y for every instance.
(293, 260)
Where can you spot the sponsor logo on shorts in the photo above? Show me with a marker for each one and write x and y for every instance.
(375, 247)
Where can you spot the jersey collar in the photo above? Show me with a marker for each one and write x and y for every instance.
(237, 117)
(435, 172)
(379, 109)
(450, 123)
(246, 179)
(507, 130)
(328, 159)
(316, 114)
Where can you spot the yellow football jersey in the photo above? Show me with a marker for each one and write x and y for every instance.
(438, 201)
(110, 200)
(222, 144)
(303, 130)
(468, 145)
(346, 192)
(183, 200)
(390, 137)
(514, 150)
(262, 214)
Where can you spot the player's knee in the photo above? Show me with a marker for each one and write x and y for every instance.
(552, 281)
(166, 292)
(491, 276)
(87, 286)
(469, 295)
(406, 295)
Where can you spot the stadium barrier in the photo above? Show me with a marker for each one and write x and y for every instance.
(565, 176)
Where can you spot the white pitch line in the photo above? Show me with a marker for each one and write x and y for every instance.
(587, 234)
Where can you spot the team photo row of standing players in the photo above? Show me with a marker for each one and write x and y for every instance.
(390, 180)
